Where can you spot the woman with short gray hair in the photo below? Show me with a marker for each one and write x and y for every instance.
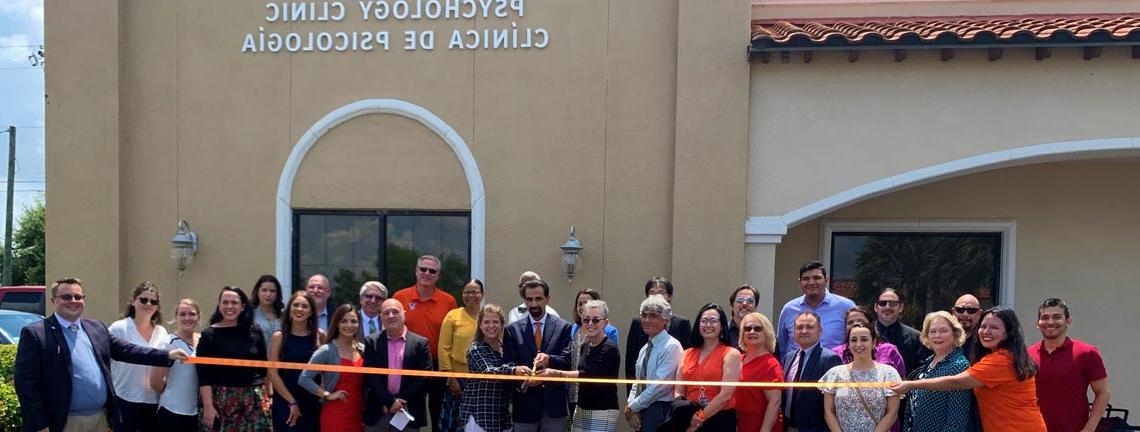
(597, 408)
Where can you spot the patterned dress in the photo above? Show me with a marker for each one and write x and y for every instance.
(938, 411)
(849, 408)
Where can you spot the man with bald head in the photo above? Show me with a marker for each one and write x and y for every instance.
(395, 348)
(968, 309)
(319, 288)
(520, 311)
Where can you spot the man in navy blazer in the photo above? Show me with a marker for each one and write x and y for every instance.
(63, 365)
(540, 340)
(388, 394)
(807, 362)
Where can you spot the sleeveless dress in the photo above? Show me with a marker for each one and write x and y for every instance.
(751, 401)
(296, 349)
(346, 415)
(711, 369)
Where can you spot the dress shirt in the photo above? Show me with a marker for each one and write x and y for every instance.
(518, 312)
(323, 319)
(832, 311)
(88, 389)
(367, 322)
(130, 380)
(662, 365)
(396, 359)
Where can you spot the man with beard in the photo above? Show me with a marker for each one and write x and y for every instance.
(319, 288)
(888, 308)
(540, 340)
(1066, 369)
(743, 300)
(968, 309)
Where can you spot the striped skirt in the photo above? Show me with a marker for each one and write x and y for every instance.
(586, 420)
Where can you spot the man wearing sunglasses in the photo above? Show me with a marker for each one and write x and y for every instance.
(743, 300)
(426, 305)
(62, 369)
(372, 296)
(889, 308)
(968, 309)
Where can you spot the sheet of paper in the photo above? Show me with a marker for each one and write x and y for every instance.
(401, 419)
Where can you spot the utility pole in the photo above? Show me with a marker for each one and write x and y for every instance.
(8, 212)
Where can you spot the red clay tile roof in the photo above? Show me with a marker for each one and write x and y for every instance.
(933, 32)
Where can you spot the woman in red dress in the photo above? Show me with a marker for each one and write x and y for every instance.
(341, 393)
(757, 408)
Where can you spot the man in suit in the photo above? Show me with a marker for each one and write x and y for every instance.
(63, 366)
(540, 340)
(372, 295)
(319, 288)
(678, 327)
(806, 361)
(395, 348)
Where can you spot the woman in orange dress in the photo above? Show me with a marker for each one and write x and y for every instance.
(758, 409)
(1001, 376)
(342, 394)
(712, 358)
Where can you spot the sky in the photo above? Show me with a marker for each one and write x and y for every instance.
(22, 101)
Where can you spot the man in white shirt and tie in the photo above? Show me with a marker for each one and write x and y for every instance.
(372, 295)
(648, 405)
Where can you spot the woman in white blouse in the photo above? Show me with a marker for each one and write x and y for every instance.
(135, 402)
(177, 385)
(855, 408)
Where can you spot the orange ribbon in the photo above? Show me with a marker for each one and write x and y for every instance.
(440, 374)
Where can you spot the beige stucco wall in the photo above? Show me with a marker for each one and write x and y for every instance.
(821, 128)
(1076, 234)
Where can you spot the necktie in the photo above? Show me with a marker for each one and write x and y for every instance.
(72, 335)
(538, 335)
(372, 326)
(645, 366)
(793, 375)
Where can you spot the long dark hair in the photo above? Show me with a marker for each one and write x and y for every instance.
(587, 291)
(141, 288)
(848, 356)
(1014, 342)
(246, 316)
(695, 338)
(310, 324)
(338, 314)
(278, 304)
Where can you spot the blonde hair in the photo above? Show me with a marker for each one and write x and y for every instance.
(959, 332)
(188, 302)
(489, 308)
(769, 332)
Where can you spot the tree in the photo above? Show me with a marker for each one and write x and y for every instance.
(28, 255)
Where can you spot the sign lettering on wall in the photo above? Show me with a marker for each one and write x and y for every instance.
(380, 12)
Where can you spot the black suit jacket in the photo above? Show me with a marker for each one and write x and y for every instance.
(907, 340)
(679, 328)
(43, 369)
(519, 349)
(809, 402)
(417, 356)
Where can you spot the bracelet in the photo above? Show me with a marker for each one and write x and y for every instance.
(293, 404)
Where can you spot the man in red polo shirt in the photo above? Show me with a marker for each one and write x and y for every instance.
(1066, 369)
(426, 306)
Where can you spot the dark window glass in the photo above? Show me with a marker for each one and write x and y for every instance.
(352, 247)
(929, 270)
(31, 302)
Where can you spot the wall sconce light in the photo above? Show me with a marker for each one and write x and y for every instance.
(183, 246)
(570, 251)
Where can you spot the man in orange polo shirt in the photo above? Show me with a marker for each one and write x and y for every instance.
(426, 306)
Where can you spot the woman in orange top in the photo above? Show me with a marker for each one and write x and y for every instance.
(712, 358)
(1001, 376)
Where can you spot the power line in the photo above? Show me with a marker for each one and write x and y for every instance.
(22, 46)
(18, 67)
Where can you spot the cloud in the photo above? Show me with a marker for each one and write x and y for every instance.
(14, 50)
(29, 12)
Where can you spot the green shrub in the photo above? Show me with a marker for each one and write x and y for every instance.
(7, 363)
(9, 403)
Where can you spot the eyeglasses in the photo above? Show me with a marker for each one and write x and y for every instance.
(429, 270)
(593, 320)
(751, 328)
(966, 310)
(71, 297)
(709, 321)
(372, 297)
(887, 303)
(148, 301)
(646, 315)
(745, 300)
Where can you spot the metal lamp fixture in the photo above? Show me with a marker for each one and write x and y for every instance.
(570, 251)
(183, 246)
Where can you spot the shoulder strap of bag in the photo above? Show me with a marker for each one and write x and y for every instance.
(859, 392)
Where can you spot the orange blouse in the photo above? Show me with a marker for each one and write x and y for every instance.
(1005, 403)
(712, 369)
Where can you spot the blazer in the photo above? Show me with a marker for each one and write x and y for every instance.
(519, 349)
(43, 369)
(809, 402)
(679, 328)
(417, 356)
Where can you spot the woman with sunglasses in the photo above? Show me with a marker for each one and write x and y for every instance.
(1001, 375)
(758, 409)
(178, 384)
(599, 357)
(136, 403)
(578, 338)
(712, 358)
(860, 409)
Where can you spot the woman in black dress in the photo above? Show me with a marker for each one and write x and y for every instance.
(295, 409)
